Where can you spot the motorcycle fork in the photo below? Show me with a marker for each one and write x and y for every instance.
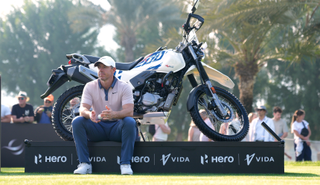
(212, 91)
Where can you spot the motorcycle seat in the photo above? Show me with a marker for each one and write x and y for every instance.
(120, 66)
(128, 66)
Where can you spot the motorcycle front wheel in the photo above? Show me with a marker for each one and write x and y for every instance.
(64, 110)
(232, 127)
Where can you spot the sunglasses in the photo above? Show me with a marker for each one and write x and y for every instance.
(21, 98)
(47, 101)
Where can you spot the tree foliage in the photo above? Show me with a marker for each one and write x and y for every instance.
(294, 86)
(33, 40)
(137, 22)
(252, 28)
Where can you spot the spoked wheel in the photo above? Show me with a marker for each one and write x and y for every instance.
(65, 109)
(232, 127)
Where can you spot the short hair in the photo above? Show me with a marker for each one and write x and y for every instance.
(277, 109)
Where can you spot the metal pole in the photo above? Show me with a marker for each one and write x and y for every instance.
(271, 132)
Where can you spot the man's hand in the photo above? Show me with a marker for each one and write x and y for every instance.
(25, 119)
(93, 117)
(40, 110)
(49, 113)
(108, 114)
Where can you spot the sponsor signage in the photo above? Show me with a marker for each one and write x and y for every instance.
(12, 140)
(162, 157)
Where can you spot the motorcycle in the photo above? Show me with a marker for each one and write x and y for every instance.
(156, 82)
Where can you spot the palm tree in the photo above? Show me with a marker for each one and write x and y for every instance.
(131, 18)
(251, 32)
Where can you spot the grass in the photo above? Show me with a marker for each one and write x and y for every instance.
(295, 173)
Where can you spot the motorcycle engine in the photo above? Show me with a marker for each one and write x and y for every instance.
(150, 99)
(153, 95)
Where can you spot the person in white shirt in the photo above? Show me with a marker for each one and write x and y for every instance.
(162, 132)
(257, 132)
(5, 114)
(251, 117)
(206, 119)
(301, 143)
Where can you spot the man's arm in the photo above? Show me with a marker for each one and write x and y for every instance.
(6, 119)
(165, 129)
(16, 120)
(285, 134)
(190, 133)
(85, 110)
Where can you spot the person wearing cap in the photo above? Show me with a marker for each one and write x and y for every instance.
(257, 132)
(22, 112)
(43, 112)
(110, 119)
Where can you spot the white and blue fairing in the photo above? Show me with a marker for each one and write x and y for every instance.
(161, 62)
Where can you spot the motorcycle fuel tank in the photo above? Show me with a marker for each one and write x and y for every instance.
(161, 62)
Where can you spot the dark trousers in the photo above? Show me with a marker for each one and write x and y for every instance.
(124, 131)
(305, 154)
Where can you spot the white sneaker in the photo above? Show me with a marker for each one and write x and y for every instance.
(126, 169)
(83, 168)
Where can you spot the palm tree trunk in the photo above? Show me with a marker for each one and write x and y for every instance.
(246, 74)
(245, 86)
(129, 54)
(128, 42)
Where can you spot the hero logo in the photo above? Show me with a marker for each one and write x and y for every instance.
(165, 159)
(264, 159)
(49, 159)
(137, 159)
(153, 57)
(216, 159)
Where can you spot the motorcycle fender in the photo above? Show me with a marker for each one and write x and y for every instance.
(214, 75)
(56, 80)
(193, 94)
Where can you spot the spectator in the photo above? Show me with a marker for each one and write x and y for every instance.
(5, 114)
(43, 112)
(110, 120)
(256, 131)
(22, 112)
(280, 126)
(206, 119)
(194, 132)
(162, 132)
(251, 117)
(234, 126)
(75, 102)
(224, 128)
(301, 130)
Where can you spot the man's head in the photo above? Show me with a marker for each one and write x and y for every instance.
(22, 98)
(106, 66)
(262, 111)
(48, 101)
(74, 102)
(277, 111)
(203, 114)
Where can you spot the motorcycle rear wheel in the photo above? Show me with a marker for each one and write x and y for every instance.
(63, 112)
(231, 104)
